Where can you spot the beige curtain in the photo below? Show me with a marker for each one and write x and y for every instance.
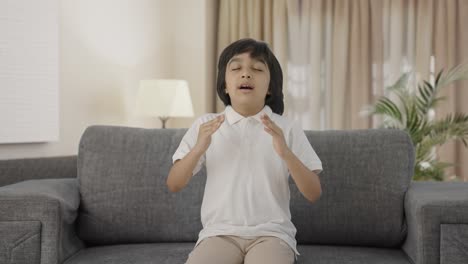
(450, 48)
(264, 20)
(343, 53)
(339, 54)
(330, 63)
(356, 48)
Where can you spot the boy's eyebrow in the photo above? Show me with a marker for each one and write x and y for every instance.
(237, 59)
(234, 60)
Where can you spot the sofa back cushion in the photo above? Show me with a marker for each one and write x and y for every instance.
(122, 174)
(366, 174)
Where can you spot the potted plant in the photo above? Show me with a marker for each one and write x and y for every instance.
(412, 108)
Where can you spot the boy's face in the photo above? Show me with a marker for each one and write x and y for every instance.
(247, 80)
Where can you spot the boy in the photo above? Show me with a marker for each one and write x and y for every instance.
(249, 151)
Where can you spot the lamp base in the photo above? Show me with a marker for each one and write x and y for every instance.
(163, 120)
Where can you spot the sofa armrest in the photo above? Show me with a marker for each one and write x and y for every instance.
(437, 217)
(17, 170)
(37, 221)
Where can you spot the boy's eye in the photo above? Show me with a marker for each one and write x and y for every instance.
(257, 69)
(235, 69)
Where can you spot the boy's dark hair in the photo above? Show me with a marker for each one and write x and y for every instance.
(257, 50)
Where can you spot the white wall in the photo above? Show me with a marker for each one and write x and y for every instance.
(107, 46)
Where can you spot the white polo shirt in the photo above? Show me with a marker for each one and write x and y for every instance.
(247, 191)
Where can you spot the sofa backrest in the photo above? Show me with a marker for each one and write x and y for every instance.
(122, 174)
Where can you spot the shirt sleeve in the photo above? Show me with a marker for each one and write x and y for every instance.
(302, 148)
(187, 143)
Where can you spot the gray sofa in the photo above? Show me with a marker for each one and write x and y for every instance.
(110, 204)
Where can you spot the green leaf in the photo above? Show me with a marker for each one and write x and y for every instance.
(386, 107)
(409, 112)
(437, 79)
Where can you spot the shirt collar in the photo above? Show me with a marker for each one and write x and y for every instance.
(233, 117)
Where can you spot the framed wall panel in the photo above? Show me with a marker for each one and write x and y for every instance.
(29, 73)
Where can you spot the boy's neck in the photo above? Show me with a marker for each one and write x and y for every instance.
(247, 111)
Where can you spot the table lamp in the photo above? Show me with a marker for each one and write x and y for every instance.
(164, 99)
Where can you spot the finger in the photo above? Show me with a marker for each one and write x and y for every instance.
(271, 125)
(265, 119)
(208, 126)
(220, 119)
(269, 131)
(268, 119)
(266, 123)
(216, 126)
(274, 126)
(265, 116)
(208, 130)
(212, 128)
(215, 120)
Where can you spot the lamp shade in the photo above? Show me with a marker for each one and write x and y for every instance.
(168, 98)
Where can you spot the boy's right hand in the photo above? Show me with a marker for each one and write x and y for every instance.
(206, 130)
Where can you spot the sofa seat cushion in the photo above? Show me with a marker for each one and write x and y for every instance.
(161, 253)
(176, 253)
(337, 254)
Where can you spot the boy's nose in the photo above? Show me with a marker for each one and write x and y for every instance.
(246, 76)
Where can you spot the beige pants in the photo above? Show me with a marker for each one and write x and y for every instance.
(236, 250)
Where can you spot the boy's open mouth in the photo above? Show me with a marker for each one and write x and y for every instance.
(246, 87)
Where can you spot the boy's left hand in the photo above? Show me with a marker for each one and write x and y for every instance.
(276, 132)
